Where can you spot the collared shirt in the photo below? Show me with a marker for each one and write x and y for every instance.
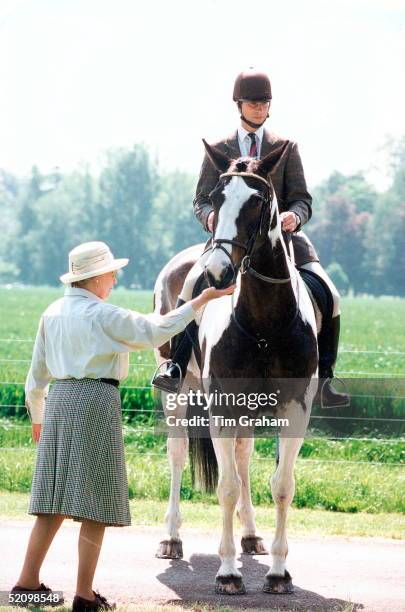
(81, 336)
(245, 141)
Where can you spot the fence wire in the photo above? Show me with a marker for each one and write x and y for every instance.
(342, 350)
(255, 458)
(129, 430)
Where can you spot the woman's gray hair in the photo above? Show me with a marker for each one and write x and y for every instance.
(80, 284)
(83, 283)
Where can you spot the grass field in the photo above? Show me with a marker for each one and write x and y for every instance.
(368, 324)
(23, 308)
(341, 487)
(347, 476)
(207, 516)
(322, 481)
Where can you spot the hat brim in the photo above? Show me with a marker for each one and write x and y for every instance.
(253, 99)
(117, 264)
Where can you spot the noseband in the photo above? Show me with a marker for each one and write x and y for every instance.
(248, 247)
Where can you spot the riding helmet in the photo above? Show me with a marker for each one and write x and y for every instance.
(252, 85)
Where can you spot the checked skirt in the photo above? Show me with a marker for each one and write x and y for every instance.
(80, 467)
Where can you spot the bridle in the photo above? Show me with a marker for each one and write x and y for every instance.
(244, 267)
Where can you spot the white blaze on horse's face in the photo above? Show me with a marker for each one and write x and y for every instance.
(236, 193)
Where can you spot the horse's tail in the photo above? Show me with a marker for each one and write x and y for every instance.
(203, 464)
(203, 461)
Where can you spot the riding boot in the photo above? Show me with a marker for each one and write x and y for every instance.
(180, 353)
(328, 342)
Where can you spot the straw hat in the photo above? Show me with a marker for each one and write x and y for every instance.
(91, 259)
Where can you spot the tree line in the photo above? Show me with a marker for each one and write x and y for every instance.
(147, 215)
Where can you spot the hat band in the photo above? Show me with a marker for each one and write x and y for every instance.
(91, 265)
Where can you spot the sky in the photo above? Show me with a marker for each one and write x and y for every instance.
(82, 76)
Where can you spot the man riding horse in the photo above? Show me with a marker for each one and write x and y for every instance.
(252, 94)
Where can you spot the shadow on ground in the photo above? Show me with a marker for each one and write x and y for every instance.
(194, 581)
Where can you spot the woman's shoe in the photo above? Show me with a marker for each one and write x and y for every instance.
(98, 603)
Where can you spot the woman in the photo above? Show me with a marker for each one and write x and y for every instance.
(84, 344)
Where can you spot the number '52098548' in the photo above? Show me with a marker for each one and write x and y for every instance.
(24, 598)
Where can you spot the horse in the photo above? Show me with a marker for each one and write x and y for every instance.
(266, 332)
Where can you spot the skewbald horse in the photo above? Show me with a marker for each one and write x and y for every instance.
(266, 331)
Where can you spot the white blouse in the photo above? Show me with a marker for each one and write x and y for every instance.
(81, 336)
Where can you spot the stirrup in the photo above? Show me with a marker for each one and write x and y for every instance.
(161, 384)
(328, 380)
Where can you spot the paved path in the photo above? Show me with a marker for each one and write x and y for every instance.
(327, 572)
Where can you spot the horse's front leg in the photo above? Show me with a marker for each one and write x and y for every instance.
(177, 449)
(278, 579)
(228, 579)
(251, 542)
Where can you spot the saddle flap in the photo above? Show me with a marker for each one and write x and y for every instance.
(319, 292)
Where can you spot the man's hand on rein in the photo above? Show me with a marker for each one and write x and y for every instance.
(289, 221)
(210, 221)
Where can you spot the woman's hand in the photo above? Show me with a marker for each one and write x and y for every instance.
(36, 431)
(211, 294)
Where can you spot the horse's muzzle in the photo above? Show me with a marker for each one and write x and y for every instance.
(225, 280)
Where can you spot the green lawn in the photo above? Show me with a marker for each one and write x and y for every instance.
(320, 484)
(23, 308)
(200, 515)
(368, 324)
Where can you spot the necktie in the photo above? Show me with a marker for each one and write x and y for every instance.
(253, 145)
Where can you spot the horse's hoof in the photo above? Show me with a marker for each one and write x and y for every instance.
(253, 545)
(279, 585)
(170, 549)
(229, 585)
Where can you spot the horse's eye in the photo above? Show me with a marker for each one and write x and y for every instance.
(256, 200)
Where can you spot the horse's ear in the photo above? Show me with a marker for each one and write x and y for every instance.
(217, 158)
(268, 162)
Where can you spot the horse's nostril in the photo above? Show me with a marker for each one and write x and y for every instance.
(209, 278)
(227, 277)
